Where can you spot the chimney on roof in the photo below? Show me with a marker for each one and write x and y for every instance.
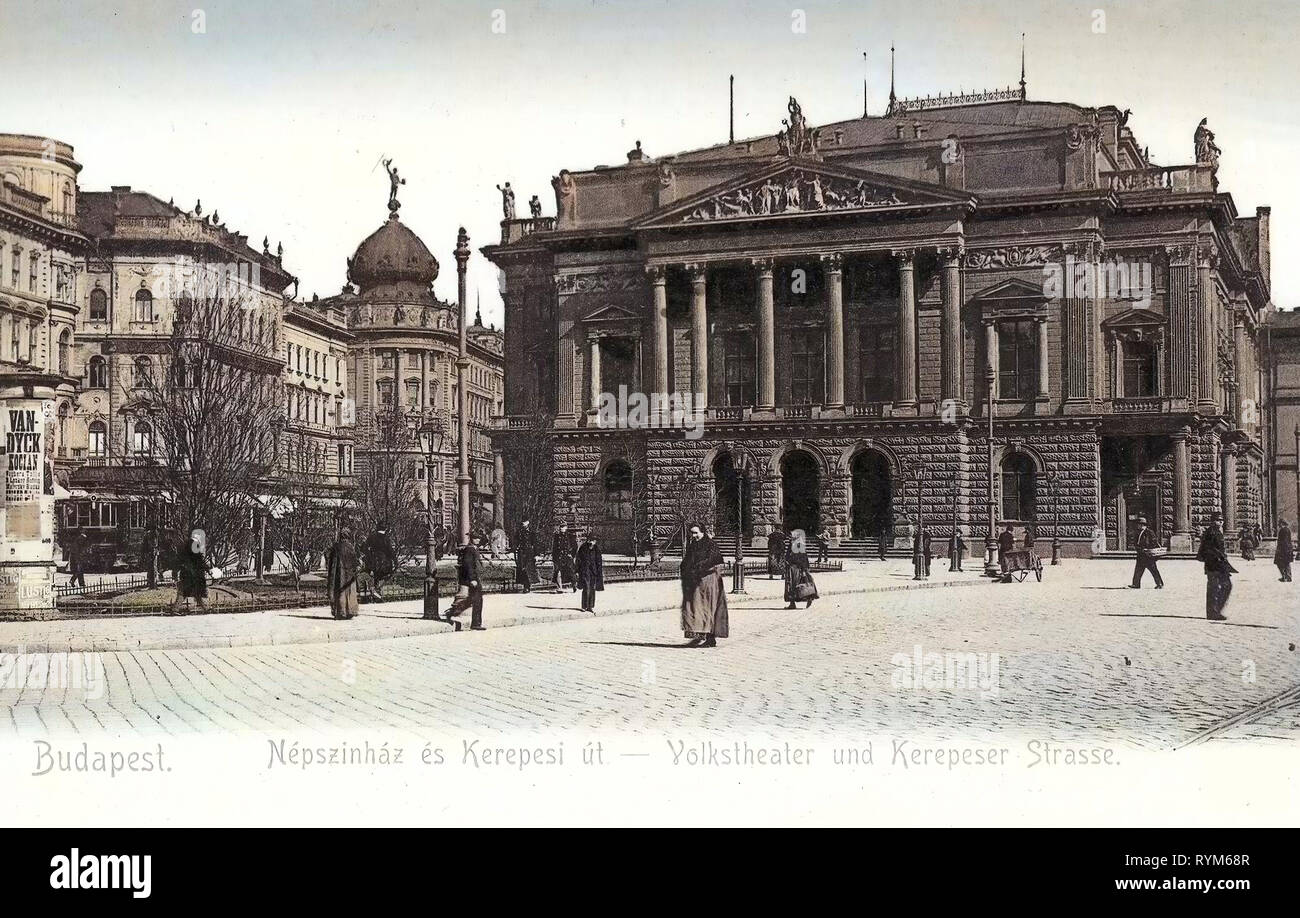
(637, 155)
(1262, 216)
(121, 189)
(918, 129)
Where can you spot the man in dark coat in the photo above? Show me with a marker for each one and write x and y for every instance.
(956, 549)
(562, 551)
(78, 546)
(467, 573)
(926, 550)
(1284, 553)
(775, 553)
(380, 558)
(1218, 571)
(1146, 561)
(1006, 544)
(526, 557)
(590, 570)
(704, 600)
(883, 538)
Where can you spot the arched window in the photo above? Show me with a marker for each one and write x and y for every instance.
(142, 373)
(65, 351)
(98, 305)
(98, 373)
(618, 491)
(1019, 488)
(143, 306)
(143, 439)
(98, 441)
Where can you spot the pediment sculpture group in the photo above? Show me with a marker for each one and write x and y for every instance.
(793, 192)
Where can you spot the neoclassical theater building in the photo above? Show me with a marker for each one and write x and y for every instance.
(845, 306)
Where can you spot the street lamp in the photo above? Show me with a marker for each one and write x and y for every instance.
(277, 424)
(1053, 482)
(432, 433)
(918, 539)
(990, 543)
(738, 566)
(1297, 474)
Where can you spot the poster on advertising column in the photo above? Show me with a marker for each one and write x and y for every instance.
(23, 461)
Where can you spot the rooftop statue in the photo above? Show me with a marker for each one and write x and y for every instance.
(393, 181)
(507, 201)
(1206, 152)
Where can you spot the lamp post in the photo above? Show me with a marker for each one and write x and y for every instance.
(991, 543)
(1297, 475)
(277, 426)
(738, 566)
(463, 479)
(1053, 482)
(432, 433)
(918, 540)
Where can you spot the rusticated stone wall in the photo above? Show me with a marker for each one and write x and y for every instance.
(1206, 498)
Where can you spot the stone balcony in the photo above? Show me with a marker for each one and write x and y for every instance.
(514, 230)
(1171, 179)
(1148, 405)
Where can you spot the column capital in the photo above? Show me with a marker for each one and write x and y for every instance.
(699, 271)
(906, 257)
(1207, 256)
(1178, 254)
(764, 265)
(658, 274)
(950, 255)
(832, 262)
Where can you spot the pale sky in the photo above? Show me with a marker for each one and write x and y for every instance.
(278, 114)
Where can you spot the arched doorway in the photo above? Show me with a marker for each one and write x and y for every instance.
(733, 499)
(873, 495)
(800, 492)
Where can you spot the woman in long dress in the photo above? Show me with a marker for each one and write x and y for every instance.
(341, 568)
(704, 601)
(796, 573)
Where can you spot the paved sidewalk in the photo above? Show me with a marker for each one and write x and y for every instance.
(314, 625)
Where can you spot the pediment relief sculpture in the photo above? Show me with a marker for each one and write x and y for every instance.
(796, 191)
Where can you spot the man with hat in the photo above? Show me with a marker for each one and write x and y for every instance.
(1218, 571)
(1146, 561)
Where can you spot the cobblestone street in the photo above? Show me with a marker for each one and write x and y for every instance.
(1075, 657)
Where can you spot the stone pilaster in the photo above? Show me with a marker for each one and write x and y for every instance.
(699, 336)
(659, 305)
(1181, 538)
(1207, 350)
(950, 329)
(1044, 383)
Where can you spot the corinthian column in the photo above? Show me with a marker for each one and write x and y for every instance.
(833, 267)
(950, 330)
(1207, 358)
(905, 389)
(1228, 487)
(1043, 387)
(1182, 534)
(658, 280)
(699, 337)
(766, 336)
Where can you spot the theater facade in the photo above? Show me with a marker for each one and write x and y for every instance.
(845, 308)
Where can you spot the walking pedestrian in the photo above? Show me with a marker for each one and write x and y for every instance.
(925, 548)
(823, 545)
(775, 553)
(341, 575)
(704, 601)
(1284, 553)
(1247, 542)
(562, 551)
(883, 537)
(191, 575)
(470, 593)
(78, 548)
(526, 556)
(1218, 571)
(380, 558)
(590, 569)
(956, 549)
(1146, 561)
(1030, 537)
(799, 584)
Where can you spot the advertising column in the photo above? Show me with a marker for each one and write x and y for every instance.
(26, 504)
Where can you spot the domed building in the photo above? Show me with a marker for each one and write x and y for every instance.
(402, 371)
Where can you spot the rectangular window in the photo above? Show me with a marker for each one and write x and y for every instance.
(386, 361)
(15, 267)
(1141, 370)
(807, 382)
(876, 362)
(31, 275)
(1018, 359)
(738, 370)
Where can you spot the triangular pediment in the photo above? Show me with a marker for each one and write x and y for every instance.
(1014, 289)
(610, 314)
(801, 188)
(1134, 317)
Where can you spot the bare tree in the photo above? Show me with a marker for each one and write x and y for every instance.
(529, 462)
(692, 504)
(306, 529)
(385, 488)
(211, 404)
